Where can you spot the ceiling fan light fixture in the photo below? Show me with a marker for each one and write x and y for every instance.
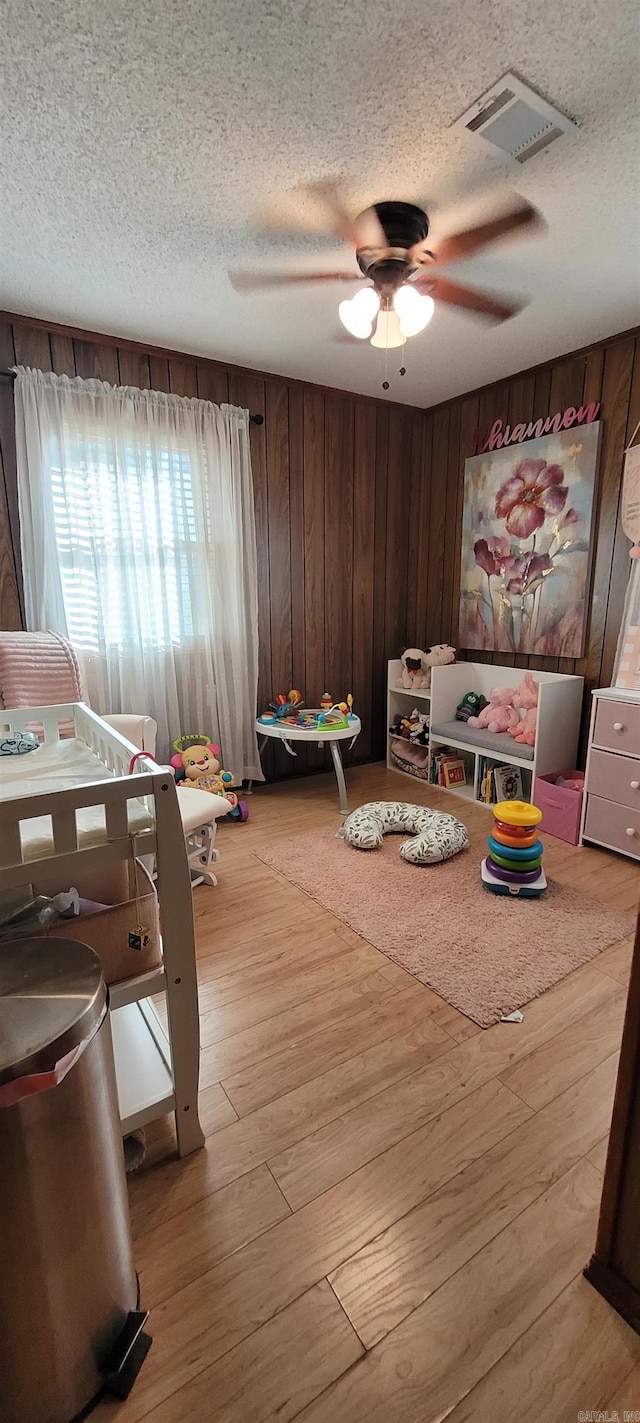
(387, 333)
(358, 314)
(414, 310)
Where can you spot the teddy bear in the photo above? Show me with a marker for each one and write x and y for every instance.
(197, 763)
(414, 669)
(500, 714)
(525, 698)
(416, 665)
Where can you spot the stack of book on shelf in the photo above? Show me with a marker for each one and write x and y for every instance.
(447, 769)
(498, 782)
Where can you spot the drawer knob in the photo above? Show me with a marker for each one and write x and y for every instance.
(630, 831)
(617, 726)
(635, 785)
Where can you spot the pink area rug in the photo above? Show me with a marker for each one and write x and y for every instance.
(486, 955)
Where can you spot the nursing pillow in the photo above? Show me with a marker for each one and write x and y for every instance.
(436, 835)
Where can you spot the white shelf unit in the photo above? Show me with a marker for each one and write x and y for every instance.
(401, 702)
(559, 708)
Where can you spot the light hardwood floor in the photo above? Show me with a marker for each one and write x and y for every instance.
(391, 1214)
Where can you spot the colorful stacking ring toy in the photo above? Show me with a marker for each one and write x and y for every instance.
(514, 862)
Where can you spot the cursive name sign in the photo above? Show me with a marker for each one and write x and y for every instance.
(500, 434)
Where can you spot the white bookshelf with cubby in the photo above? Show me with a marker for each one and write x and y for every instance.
(558, 724)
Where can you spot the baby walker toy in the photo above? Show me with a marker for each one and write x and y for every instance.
(196, 762)
(514, 862)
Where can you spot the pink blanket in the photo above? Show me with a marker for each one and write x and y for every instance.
(38, 669)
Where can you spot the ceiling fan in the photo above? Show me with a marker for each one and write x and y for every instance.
(404, 274)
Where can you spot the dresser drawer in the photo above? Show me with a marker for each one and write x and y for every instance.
(615, 778)
(613, 825)
(617, 726)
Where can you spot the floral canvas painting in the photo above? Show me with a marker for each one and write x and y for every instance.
(526, 543)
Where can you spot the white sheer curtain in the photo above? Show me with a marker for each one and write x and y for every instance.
(138, 543)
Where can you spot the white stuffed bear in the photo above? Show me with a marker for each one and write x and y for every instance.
(416, 665)
(439, 656)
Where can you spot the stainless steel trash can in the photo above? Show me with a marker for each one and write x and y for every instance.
(68, 1288)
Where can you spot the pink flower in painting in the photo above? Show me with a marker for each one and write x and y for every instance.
(526, 572)
(490, 555)
(571, 517)
(529, 495)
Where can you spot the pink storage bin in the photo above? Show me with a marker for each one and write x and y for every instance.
(561, 807)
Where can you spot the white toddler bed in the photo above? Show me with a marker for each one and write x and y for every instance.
(70, 813)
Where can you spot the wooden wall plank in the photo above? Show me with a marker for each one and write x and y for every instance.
(183, 378)
(134, 369)
(469, 421)
(96, 362)
(296, 528)
(159, 374)
(423, 555)
(449, 565)
(380, 654)
(364, 570)
(32, 348)
(437, 524)
(213, 384)
(63, 355)
(9, 516)
(338, 559)
(397, 541)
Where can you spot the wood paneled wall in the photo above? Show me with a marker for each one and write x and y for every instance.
(358, 508)
(610, 373)
(339, 501)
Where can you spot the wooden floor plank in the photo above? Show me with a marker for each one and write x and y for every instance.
(394, 1273)
(616, 961)
(273, 1373)
(566, 1058)
(265, 1039)
(300, 1062)
(565, 1364)
(221, 1021)
(627, 1395)
(423, 1369)
(215, 1109)
(208, 1231)
(227, 1303)
(316, 1162)
(279, 1124)
(598, 1156)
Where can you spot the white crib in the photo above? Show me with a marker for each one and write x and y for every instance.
(157, 1069)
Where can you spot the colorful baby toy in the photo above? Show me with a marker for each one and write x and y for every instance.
(514, 862)
(333, 716)
(196, 762)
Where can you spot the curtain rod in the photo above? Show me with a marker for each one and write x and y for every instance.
(255, 419)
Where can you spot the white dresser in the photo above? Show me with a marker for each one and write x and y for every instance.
(611, 809)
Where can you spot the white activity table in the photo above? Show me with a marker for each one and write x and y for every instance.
(319, 734)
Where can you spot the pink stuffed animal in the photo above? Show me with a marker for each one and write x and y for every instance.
(526, 698)
(499, 715)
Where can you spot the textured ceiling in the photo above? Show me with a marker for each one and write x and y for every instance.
(140, 140)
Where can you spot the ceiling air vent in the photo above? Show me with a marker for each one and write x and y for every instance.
(513, 118)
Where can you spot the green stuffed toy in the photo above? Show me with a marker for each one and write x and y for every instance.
(471, 705)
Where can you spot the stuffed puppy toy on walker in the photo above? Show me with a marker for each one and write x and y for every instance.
(196, 763)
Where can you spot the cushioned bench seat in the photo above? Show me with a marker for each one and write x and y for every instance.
(499, 743)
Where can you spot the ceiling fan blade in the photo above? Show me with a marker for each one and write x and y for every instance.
(258, 281)
(464, 244)
(481, 303)
(365, 230)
